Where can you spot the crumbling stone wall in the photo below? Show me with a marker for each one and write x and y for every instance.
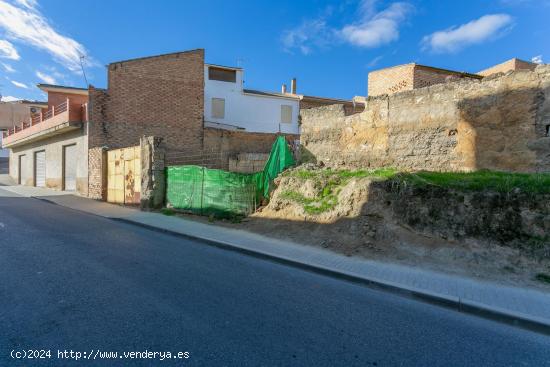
(153, 176)
(497, 123)
(514, 218)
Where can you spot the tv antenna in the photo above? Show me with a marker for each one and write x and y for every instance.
(82, 57)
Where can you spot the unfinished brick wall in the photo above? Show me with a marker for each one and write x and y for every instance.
(510, 65)
(160, 96)
(391, 80)
(409, 76)
(426, 76)
(232, 143)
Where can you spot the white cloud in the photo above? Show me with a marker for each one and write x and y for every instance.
(8, 68)
(9, 98)
(537, 59)
(7, 51)
(369, 29)
(46, 78)
(29, 4)
(19, 84)
(374, 61)
(27, 25)
(473, 32)
(309, 35)
(377, 29)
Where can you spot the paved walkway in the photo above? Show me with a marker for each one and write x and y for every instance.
(476, 296)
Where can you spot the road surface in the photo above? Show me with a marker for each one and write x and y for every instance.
(73, 282)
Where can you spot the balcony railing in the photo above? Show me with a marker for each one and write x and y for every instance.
(73, 112)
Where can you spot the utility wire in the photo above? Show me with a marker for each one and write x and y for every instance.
(82, 68)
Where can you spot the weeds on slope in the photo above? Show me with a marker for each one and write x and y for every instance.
(333, 180)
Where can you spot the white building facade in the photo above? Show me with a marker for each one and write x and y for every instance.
(228, 105)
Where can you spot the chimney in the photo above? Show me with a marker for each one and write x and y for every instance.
(283, 88)
(293, 86)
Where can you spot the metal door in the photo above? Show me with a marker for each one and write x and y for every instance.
(124, 175)
(40, 169)
(69, 167)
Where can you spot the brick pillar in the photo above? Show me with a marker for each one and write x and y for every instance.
(153, 180)
(97, 173)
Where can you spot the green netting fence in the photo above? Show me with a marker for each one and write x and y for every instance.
(222, 193)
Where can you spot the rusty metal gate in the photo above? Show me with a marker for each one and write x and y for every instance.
(124, 175)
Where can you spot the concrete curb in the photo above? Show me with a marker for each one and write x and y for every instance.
(524, 321)
(528, 322)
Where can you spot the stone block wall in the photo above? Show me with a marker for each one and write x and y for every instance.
(153, 176)
(498, 123)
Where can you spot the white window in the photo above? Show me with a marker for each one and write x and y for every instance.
(218, 108)
(286, 114)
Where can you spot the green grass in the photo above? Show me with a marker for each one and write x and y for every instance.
(534, 183)
(344, 174)
(326, 201)
(333, 181)
(167, 211)
(545, 278)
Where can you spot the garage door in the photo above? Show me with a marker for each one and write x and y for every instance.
(40, 169)
(69, 167)
(23, 174)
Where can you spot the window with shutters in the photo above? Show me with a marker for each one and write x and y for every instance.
(286, 114)
(218, 108)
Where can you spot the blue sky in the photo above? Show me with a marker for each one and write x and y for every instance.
(330, 46)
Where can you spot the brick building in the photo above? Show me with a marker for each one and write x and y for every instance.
(509, 65)
(410, 76)
(413, 76)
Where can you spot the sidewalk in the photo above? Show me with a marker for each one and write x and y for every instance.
(524, 307)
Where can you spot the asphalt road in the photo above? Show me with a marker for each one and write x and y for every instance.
(75, 282)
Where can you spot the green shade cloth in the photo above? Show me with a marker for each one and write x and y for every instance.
(221, 193)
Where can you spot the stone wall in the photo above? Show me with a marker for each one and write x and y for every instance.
(498, 123)
(153, 177)
(514, 218)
